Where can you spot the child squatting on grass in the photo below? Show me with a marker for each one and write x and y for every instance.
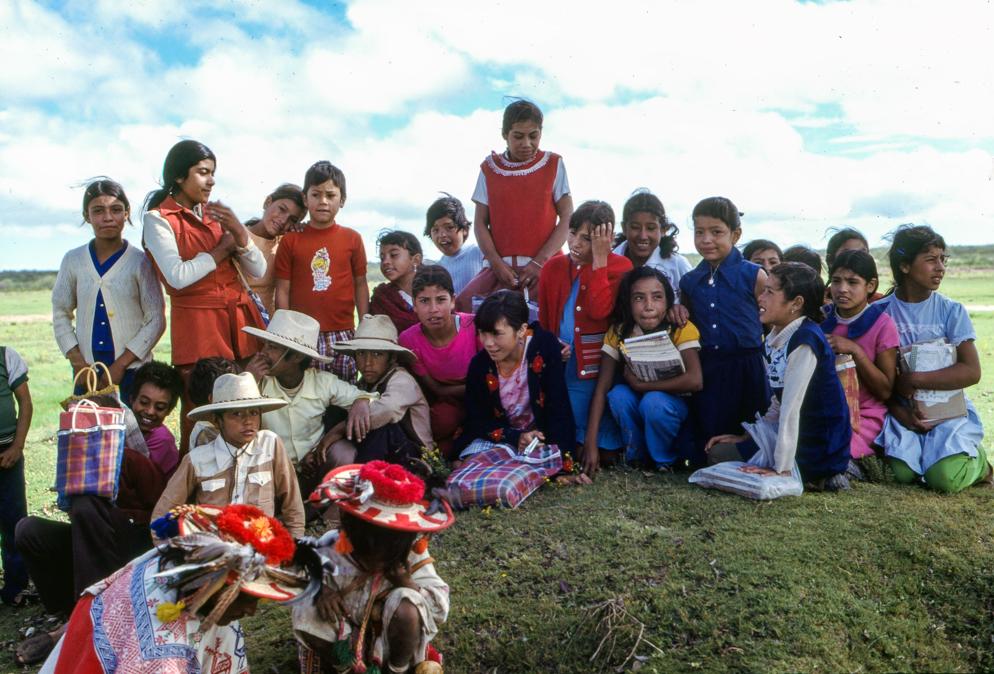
(243, 464)
(382, 601)
(650, 415)
(808, 416)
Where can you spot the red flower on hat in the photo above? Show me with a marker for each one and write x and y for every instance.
(247, 524)
(392, 483)
(538, 364)
(492, 382)
(497, 434)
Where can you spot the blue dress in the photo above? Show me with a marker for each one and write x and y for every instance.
(936, 318)
(722, 304)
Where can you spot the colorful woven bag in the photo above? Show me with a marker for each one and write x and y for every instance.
(90, 451)
(500, 476)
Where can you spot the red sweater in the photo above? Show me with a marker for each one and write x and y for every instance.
(594, 304)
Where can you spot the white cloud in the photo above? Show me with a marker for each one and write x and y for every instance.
(684, 99)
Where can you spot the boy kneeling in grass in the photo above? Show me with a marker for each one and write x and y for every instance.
(243, 464)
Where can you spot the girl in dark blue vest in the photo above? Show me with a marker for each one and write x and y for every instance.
(809, 415)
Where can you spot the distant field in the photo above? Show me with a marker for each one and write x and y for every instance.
(880, 579)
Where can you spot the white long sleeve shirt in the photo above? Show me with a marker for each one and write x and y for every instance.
(160, 241)
(785, 414)
(132, 297)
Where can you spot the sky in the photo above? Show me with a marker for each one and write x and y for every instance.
(808, 115)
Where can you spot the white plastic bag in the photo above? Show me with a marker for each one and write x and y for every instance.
(727, 476)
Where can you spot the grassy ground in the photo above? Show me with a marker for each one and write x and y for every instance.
(880, 579)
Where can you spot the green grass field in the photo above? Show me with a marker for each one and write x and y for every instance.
(883, 578)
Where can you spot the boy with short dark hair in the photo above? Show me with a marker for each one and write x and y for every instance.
(321, 271)
(448, 228)
(400, 257)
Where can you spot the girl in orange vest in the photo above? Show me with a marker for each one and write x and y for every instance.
(523, 205)
(198, 250)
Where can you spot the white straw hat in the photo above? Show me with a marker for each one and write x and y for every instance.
(293, 330)
(235, 392)
(375, 333)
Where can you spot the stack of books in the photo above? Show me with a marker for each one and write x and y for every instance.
(652, 357)
(934, 406)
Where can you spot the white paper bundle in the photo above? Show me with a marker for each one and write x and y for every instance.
(653, 357)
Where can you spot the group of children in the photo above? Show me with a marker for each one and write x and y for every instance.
(506, 344)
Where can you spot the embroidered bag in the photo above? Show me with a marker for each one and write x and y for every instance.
(497, 475)
(90, 451)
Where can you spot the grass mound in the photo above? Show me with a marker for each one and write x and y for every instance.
(646, 572)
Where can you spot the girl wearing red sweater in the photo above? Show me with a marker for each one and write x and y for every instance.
(576, 298)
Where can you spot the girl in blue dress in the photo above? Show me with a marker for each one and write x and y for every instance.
(720, 295)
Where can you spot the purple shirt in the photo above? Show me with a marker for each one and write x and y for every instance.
(162, 449)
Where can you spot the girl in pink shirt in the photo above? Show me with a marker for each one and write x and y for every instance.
(444, 342)
(863, 330)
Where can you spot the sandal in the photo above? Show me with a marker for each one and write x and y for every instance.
(34, 649)
(21, 599)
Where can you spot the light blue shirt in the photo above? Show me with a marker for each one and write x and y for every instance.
(463, 266)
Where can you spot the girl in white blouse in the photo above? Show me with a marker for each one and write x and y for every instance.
(107, 304)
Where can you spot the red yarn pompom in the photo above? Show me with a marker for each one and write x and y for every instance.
(249, 525)
(392, 483)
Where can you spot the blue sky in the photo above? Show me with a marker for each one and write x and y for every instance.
(807, 115)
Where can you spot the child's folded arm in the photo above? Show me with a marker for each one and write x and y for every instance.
(401, 394)
(161, 243)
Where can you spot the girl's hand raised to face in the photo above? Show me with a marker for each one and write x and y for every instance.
(600, 243)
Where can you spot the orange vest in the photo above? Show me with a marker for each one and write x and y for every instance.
(522, 210)
(207, 316)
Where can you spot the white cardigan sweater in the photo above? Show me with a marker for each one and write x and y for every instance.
(132, 296)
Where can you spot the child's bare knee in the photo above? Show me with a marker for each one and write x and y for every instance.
(406, 617)
(342, 453)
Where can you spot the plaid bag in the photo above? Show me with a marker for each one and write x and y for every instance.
(497, 475)
(90, 451)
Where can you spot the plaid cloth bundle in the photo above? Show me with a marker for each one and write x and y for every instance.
(90, 451)
(497, 475)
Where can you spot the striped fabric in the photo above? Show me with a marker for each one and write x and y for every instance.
(342, 365)
(90, 450)
(496, 475)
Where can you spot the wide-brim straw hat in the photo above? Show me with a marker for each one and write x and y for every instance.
(235, 392)
(375, 333)
(270, 582)
(294, 330)
(384, 494)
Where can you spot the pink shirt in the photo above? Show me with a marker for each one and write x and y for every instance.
(514, 395)
(447, 363)
(881, 336)
(162, 450)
